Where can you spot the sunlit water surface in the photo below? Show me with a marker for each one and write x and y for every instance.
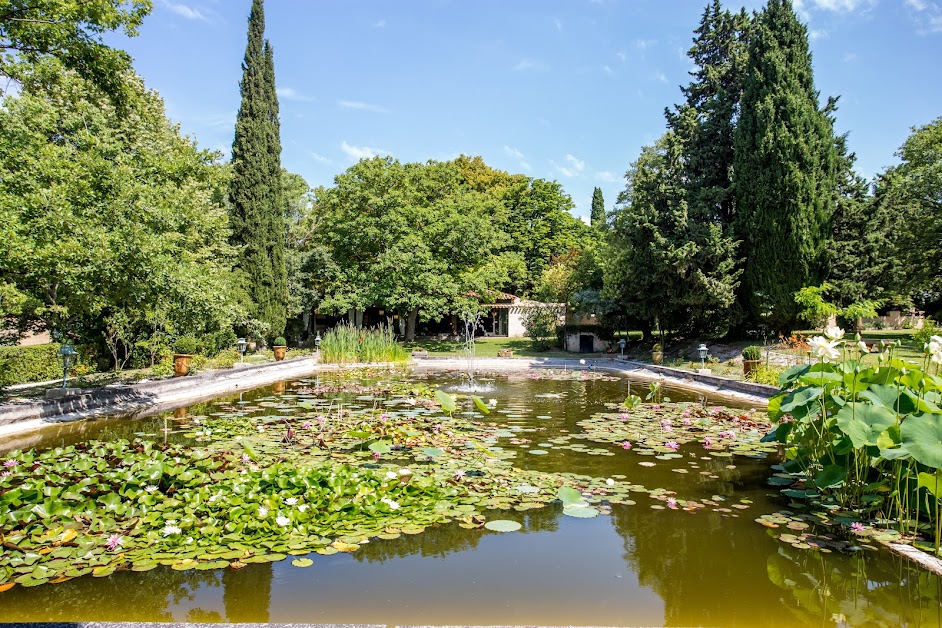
(636, 566)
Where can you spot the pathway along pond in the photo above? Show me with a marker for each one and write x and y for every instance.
(645, 559)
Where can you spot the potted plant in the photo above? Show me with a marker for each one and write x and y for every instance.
(657, 353)
(751, 359)
(184, 349)
(280, 346)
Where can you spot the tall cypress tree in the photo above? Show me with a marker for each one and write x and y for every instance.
(256, 197)
(784, 169)
(599, 220)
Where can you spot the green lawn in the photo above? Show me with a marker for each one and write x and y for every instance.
(488, 348)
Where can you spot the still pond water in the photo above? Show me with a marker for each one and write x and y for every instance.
(635, 565)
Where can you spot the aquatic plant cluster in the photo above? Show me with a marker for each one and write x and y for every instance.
(863, 436)
(299, 474)
(346, 344)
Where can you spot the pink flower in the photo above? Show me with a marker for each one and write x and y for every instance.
(10, 463)
(671, 502)
(113, 542)
(307, 425)
(375, 455)
(246, 459)
(321, 419)
(687, 422)
(656, 406)
(672, 445)
(626, 445)
(459, 474)
(624, 416)
(5, 474)
(383, 417)
(686, 413)
(707, 442)
(857, 527)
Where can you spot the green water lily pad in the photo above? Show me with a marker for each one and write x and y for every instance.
(581, 512)
(302, 562)
(502, 525)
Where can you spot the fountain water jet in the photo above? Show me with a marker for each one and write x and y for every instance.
(471, 323)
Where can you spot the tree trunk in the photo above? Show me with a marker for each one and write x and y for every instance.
(410, 326)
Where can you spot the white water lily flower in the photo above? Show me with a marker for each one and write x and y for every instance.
(168, 530)
(302, 507)
(282, 520)
(291, 501)
(392, 504)
(262, 512)
(391, 475)
(405, 471)
(610, 482)
(492, 402)
(825, 349)
(151, 488)
(834, 333)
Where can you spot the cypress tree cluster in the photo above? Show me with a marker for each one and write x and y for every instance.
(598, 218)
(256, 195)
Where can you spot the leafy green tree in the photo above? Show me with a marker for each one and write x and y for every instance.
(110, 216)
(784, 167)
(598, 217)
(71, 31)
(662, 269)
(256, 195)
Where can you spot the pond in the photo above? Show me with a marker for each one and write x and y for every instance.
(663, 533)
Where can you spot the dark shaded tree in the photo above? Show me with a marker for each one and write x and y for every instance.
(256, 196)
(598, 218)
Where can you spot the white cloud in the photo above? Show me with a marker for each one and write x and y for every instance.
(531, 64)
(289, 93)
(661, 77)
(607, 69)
(842, 5)
(644, 44)
(361, 152)
(183, 10)
(605, 176)
(919, 5)
(321, 159)
(576, 163)
(574, 168)
(513, 152)
(361, 106)
(815, 35)
(927, 15)
(621, 56)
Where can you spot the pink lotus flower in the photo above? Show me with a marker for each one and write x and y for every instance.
(672, 445)
(113, 542)
(626, 445)
(671, 502)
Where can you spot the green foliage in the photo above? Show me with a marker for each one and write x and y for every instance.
(785, 167)
(280, 342)
(752, 353)
(186, 345)
(345, 344)
(35, 363)
(598, 218)
(765, 375)
(72, 32)
(541, 325)
(815, 310)
(257, 202)
(929, 329)
(863, 433)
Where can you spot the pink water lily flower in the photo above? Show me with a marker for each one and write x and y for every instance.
(376, 455)
(857, 527)
(672, 445)
(623, 417)
(626, 445)
(307, 425)
(459, 474)
(671, 502)
(113, 542)
(10, 463)
(707, 442)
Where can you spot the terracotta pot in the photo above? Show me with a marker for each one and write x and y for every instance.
(179, 413)
(748, 366)
(181, 364)
(279, 353)
(657, 357)
(279, 388)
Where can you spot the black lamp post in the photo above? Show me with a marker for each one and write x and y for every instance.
(242, 344)
(67, 355)
(703, 351)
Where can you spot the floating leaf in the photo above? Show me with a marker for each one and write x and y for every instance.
(502, 525)
(302, 562)
(580, 512)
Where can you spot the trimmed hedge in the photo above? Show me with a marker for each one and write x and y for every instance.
(35, 363)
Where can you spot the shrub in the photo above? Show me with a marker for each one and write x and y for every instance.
(541, 324)
(225, 359)
(280, 342)
(752, 353)
(929, 329)
(163, 367)
(186, 345)
(35, 363)
(763, 375)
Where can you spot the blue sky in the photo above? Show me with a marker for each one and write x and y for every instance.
(567, 90)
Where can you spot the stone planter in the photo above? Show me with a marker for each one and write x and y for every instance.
(657, 357)
(505, 353)
(748, 366)
(279, 352)
(181, 364)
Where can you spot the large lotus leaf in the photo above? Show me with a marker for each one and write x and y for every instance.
(381, 446)
(792, 374)
(932, 482)
(569, 496)
(480, 405)
(864, 423)
(447, 401)
(831, 475)
(800, 402)
(921, 436)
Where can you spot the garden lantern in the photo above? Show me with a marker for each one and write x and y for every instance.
(67, 355)
(317, 342)
(703, 351)
(242, 344)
